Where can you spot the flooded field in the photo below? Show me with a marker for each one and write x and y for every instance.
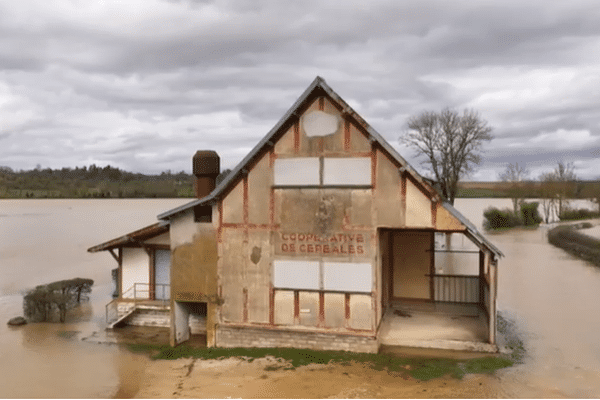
(550, 295)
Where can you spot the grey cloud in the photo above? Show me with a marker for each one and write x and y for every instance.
(168, 84)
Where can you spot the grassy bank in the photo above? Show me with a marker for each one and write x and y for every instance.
(421, 368)
(568, 238)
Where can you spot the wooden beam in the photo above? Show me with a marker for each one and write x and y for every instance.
(112, 253)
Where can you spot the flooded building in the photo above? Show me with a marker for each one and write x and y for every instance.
(322, 237)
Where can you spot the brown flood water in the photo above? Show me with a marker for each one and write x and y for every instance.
(551, 296)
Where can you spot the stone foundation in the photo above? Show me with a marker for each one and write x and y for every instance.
(234, 336)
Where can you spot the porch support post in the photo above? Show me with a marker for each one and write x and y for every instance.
(151, 276)
(432, 268)
(120, 273)
(482, 279)
(493, 274)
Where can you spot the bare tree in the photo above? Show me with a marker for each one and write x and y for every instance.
(515, 174)
(450, 142)
(593, 193)
(556, 187)
(548, 195)
(565, 177)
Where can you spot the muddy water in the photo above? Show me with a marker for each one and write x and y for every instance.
(554, 300)
(550, 295)
(46, 240)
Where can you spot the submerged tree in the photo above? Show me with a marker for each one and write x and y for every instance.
(41, 303)
(451, 144)
(556, 188)
(547, 195)
(565, 177)
(516, 175)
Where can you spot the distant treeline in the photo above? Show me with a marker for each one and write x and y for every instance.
(92, 182)
(528, 189)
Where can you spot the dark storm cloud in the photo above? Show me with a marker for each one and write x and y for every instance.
(143, 84)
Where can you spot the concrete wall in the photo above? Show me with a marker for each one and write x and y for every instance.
(230, 336)
(136, 269)
(193, 273)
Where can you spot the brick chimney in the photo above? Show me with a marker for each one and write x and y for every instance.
(206, 167)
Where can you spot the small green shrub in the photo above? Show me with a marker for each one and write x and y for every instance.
(578, 213)
(529, 214)
(497, 219)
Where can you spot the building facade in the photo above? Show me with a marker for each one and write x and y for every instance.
(325, 237)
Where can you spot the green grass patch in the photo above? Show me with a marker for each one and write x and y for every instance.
(421, 368)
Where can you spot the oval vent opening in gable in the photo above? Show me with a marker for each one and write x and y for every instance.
(319, 123)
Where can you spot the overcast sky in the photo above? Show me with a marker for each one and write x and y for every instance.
(143, 84)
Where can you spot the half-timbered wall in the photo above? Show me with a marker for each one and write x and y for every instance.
(298, 230)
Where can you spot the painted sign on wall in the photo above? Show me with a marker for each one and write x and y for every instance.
(336, 244)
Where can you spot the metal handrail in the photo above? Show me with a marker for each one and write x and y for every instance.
(141, 292)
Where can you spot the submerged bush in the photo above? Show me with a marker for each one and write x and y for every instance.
(580, 213)
(41, 303)
(506, 218)
(529, 214)
(496, 218)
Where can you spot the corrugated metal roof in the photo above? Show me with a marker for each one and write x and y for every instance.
(142, 234)
(266, 142)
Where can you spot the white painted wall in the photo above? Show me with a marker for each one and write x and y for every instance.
(135, 270)
(347, 171)
(296, 274)
(347, 277)
(183, 229)
(160, 239)
(296, 171)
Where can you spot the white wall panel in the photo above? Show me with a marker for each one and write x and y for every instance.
(347, 171)
(136, 269)
(296, 274)
(296, 171)
(347, 277)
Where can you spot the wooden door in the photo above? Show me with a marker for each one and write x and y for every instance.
(411, 261)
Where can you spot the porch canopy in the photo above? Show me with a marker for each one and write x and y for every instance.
(134, 239)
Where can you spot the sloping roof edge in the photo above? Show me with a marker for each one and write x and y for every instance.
(319, 82)
(141, 234)
(472, 229)
(235, 172)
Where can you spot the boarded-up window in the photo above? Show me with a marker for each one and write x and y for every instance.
(347, 171)
(296, 171)
(347, 277)
(305, 171)
(296, 274)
